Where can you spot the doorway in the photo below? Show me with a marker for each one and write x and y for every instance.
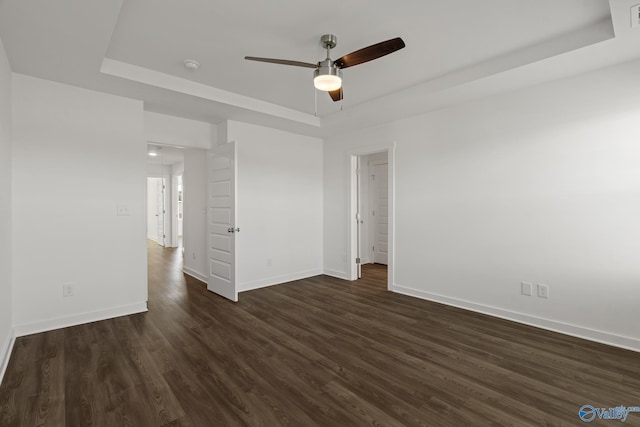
(374, 208)
(371, 213)
(165, 168)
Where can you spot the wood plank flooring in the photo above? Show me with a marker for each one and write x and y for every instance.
(315, 352)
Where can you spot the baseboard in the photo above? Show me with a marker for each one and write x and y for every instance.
(602, 337)
(5, 353)
(270, 281)
(334, 273)
(194, 274)
(78, 319)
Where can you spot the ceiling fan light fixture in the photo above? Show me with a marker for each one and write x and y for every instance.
(327, 77)
(327, 82)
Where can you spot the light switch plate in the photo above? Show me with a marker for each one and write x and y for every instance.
(526, 288)
(635, 16)
(123, 210)
(67, 290)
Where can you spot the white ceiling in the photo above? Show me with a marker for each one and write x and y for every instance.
(165, 155)
(456, 50)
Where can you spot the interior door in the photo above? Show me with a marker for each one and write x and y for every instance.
(160, 212)
(358, 217)
(381, 213)
(221, 220)
(179, 214)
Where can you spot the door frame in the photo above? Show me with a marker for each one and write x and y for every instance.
(353, 156)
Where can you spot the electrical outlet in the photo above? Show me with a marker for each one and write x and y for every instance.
(67, 290)
(526, 288)
(543, 290)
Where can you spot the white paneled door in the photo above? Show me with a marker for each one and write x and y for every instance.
(160, 213)
(221, 220)
(381, 213)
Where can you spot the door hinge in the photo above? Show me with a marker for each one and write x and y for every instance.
(357, 260)
(373, 248)
(373, 213)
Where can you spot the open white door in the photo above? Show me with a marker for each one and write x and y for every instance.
(380, 214)
(221, 220)
(160, 213)
(358, 218)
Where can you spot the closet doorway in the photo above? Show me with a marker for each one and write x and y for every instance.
(371, 213)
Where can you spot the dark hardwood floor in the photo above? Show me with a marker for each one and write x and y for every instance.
(315, 352)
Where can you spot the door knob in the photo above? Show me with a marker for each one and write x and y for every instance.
(233, 230)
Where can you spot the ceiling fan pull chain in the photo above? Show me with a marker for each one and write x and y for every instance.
(315, 102)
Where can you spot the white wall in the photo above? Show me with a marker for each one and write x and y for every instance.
(170, 130)
(279, 205)
(177, 169)
(540, 185)
(195, 197)
(78, 154)
(6, 312)
(158, 171)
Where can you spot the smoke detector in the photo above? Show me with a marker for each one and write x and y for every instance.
(191, 64)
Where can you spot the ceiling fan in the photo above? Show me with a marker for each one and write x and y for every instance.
(328, 73)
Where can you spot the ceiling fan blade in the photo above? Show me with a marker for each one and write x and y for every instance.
(370, 53)
(282, 62)
(336, 95)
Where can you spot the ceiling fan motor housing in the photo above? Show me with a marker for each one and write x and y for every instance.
(328, 41)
